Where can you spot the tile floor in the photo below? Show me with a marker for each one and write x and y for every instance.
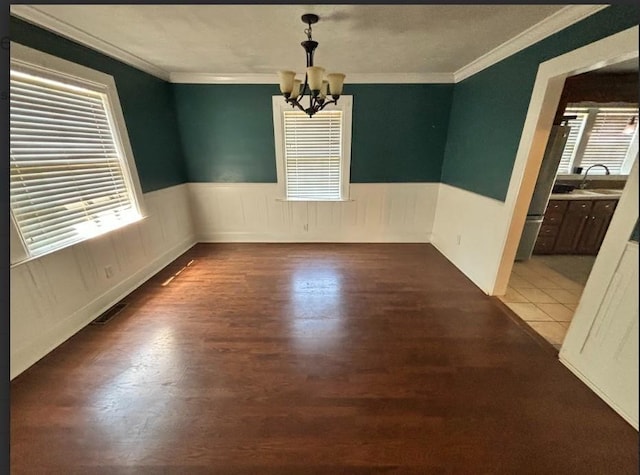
(543, 298)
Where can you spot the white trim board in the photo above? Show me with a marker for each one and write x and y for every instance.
(356, 78)
(552, 24)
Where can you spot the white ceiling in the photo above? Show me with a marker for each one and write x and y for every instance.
(262, 39)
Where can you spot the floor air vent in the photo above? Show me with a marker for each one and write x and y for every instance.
(109, 314)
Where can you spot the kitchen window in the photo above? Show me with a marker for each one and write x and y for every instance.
(597, 136)
(72, 175)
(313, 153)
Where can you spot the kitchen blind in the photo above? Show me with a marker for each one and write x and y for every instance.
(575, 132)
(313, 155)
(607, 144)
(68, 181)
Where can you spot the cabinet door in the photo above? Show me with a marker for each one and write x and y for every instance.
(544, 245)
(573, 222)
(596, 227)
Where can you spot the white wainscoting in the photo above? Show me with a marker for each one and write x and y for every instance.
(253, 212)
(54, 296)
(468, 230)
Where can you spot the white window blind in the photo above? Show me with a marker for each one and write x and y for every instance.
(68, 180)
(596, 137)
(313, 155)
(606, 143)
(570, 148)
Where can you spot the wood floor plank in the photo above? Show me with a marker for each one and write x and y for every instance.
(311, 359)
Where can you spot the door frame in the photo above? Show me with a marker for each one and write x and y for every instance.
(544, 101)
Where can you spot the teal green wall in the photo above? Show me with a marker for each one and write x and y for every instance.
(464, 135)
(227, 132)
(398, 132)
(489, 108)
(147, 105)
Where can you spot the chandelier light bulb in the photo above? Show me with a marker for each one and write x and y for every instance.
(286, 81)
(336, 81)
(296, 88)
(315, 74)
(324, 90)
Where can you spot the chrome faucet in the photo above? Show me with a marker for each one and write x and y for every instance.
(583, 184)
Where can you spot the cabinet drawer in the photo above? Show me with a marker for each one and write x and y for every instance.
(579, 206)
(604, 207)
(548, 230)
(552, 219)
(544, 245)
(556, 208)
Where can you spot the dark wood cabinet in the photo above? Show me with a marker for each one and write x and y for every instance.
(596, 227)
(574, 226)
(550, 227)
(573, 221)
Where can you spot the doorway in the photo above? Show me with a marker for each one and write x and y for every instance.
(590, 151)
(601, 344)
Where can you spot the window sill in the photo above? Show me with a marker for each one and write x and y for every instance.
(313, 201)
(28, 258)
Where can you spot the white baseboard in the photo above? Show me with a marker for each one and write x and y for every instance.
(25, 357)
(301, 238)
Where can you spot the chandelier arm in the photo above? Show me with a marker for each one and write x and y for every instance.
(304, 87)
(326, 104)
(297, 104)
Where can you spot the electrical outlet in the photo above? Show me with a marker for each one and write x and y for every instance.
(108, 272)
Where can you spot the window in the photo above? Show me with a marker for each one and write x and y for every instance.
(70, 178)
(313, 153)
(596, 137)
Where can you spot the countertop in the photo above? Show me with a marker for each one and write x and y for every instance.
(594, 194)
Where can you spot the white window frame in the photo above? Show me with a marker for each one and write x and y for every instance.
(38, 63)
(345, 104)
(592, 110)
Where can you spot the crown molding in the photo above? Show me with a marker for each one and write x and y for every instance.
(223, 78)
(355, 78)
(59, 27)
(560, 20)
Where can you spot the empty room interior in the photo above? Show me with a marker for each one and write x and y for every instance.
(272, 239)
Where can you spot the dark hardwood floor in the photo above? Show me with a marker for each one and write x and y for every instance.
(309, 359)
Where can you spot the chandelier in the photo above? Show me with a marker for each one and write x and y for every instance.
(315, 87)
